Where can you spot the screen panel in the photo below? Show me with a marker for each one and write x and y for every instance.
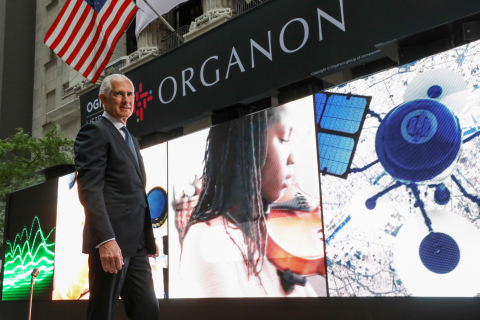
(30, 242)
(71, 265)
(405, 221)
(217, 180)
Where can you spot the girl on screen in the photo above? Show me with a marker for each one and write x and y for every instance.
(248, 165)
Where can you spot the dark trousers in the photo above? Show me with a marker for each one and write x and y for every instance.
(133, 283)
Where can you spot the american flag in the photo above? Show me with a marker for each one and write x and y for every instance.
(86, 32)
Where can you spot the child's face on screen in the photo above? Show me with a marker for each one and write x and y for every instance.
(278, 169)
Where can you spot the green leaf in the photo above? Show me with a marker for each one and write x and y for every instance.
(21, 156)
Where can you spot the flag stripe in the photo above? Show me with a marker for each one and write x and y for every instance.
(104, 20)
(57, 21)
(86, 40)
(80, 36)
(66, 26)
(114, 43)
(74, 28)
(110, 35)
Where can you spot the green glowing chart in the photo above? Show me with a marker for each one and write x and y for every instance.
(32, 248)
(30, 242)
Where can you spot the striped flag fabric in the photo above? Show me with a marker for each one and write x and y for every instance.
(86, 32)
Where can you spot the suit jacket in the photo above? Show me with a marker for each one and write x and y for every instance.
(111, 188)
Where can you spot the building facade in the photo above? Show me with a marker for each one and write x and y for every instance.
(57, 86)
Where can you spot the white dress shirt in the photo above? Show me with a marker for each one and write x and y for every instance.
(115, 122)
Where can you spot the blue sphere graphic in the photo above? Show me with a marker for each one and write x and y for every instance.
(442, 195)
(157, 202)
(418, 140)
(439, 253)
(434, 91)
(371, 204)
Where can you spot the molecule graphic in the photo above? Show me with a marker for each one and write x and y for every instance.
(419, 142)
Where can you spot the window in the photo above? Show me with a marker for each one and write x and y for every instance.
(51, 101)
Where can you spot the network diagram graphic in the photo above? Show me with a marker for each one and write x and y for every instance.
(406, 219)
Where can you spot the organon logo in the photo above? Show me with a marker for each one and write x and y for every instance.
(419, 126)
(141, 99)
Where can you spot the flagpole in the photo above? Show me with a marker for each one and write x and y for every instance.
(161, 18)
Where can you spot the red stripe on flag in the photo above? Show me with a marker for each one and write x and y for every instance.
(75, 31)
(109, 31)
(90, 48)
(114, 43)
(57, 21)
(93, 31)
(65, 27)
(82, 41)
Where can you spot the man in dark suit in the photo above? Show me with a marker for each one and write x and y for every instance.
(118, 234)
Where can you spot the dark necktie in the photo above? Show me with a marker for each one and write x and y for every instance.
(129, 141)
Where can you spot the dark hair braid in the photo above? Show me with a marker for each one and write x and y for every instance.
(235, 154)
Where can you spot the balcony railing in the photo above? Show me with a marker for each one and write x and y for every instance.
(174, 39)
(114, 67)
(245, 5)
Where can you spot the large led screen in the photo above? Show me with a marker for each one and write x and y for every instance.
(245, 205)
(71, 265)
(405, 221)
(30, 242)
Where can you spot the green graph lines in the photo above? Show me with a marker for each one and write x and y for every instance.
(30, 249)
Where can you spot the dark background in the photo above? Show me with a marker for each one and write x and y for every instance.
(85, 99)
(268, 308)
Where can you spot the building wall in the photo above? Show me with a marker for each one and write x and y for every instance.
(52, 100)
(17, 41)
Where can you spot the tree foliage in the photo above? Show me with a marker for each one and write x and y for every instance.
(21, 156)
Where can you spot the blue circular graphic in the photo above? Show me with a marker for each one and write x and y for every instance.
(442, 195)
(439, 252)
(419, 126)
(370, 204)
(434, 91)
(418, 140)
(157, 201)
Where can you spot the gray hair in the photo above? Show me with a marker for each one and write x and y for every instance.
(106, 86)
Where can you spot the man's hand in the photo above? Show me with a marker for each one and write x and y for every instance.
(111, 256)
(156, 252)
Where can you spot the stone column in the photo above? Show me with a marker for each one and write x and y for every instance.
(218, 4)
(152, 35)
(215, 12)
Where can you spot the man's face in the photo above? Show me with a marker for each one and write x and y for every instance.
(119, 102)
